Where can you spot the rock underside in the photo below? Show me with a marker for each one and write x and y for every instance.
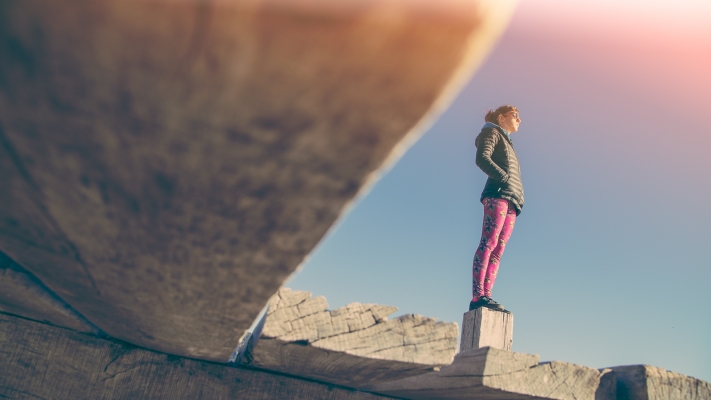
(166, 165)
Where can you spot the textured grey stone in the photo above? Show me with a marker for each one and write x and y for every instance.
(39, 361)
(645, 382)
(489, 361)
(353, 345)
(327, 365)
(166, 165)
(486, 328)
(510, 376)
(360, 329)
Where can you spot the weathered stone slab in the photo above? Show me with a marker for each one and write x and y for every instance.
(489, 361)
(46, 362)
(645, 382)
(328, 366)
(353, 345)
(486, 328)
(166, 165)
(490, 373)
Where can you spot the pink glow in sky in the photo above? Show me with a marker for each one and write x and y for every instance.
(681, 26)
(659, 50)
(684, 18)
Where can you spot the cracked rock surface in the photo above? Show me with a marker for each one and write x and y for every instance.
(490, 373)
(23, 294)
(646, 382)
(352, 345)
(39, 361)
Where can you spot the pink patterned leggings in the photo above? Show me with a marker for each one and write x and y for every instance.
(499, 219)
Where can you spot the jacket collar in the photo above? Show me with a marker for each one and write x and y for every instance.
(504, 131)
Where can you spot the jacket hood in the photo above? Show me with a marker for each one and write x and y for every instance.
(493, 125)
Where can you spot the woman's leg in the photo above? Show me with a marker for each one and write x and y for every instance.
(495, 257)
(495, 215)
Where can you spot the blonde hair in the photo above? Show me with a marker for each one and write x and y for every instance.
(493, 115)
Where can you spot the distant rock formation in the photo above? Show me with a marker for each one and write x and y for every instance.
(353, 345)
(410, 357)
(42, 361)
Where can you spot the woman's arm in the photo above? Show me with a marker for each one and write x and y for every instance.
(487, 142)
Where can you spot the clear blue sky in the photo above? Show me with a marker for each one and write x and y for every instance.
(609, 262)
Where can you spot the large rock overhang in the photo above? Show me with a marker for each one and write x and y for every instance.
(166, 165)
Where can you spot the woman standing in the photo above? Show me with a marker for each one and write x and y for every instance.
(502, 199)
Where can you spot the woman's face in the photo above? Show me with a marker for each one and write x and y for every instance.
(510, 121)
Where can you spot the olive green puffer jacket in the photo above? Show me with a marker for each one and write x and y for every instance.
(495, 156)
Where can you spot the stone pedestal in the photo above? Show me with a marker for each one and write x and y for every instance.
(484, 327)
